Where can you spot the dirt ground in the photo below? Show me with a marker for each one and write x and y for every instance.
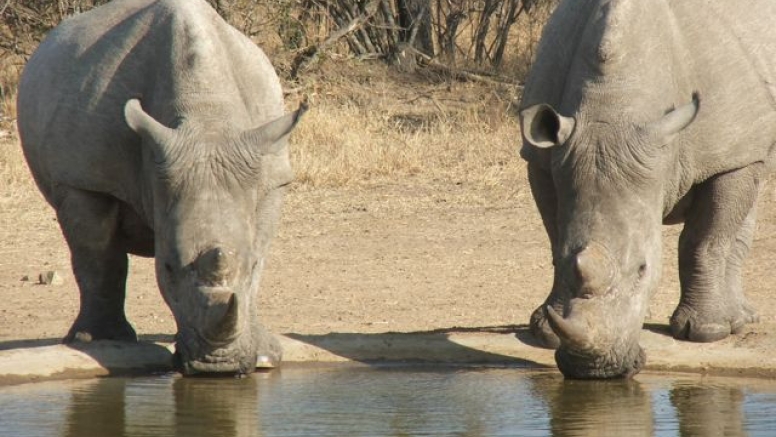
(408, 256)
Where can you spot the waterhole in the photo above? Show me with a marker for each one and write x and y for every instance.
(391, 401)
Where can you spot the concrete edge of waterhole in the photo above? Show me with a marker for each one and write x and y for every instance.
(751, 354)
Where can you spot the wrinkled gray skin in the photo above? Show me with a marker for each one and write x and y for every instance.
(156, 129)
(637, 114)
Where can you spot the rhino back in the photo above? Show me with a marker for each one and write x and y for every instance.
(630, 61)
(732, 54)
(178, 57)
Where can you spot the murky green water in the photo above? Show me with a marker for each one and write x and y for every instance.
(365, 401)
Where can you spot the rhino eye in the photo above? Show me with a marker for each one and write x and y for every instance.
(168, 268)
(642, 270)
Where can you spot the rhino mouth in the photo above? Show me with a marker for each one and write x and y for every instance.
(199, 357)
(210, 364)
(582, 355)
(579, 365)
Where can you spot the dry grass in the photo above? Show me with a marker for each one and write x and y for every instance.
(15, 181)
(371, 125)
(341, 144)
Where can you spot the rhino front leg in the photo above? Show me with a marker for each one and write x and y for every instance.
(89, 223)
(713, 245)
(543, 190)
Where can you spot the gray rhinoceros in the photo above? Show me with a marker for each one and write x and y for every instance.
(154, 128)
(636, 114)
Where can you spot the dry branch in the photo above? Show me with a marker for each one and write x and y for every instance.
(312, 53)
(462, 74)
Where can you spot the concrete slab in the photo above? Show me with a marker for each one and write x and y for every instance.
(749, 354)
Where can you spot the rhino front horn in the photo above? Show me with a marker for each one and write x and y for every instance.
(222, 316)
(571, 334)
(595, 270)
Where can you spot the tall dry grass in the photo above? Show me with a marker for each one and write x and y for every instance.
(342, 144)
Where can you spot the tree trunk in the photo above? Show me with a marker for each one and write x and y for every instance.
(410, 11)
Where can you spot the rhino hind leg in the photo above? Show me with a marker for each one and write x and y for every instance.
(89, 222)
(712, 248)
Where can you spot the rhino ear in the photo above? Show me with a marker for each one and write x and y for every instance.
(145, 125)
(543, 127)
(268, 137)
(676, 120)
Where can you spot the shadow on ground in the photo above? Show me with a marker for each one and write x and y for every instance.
(658, 328)
(19, 344)
(33, 360)
(42, 342)
(460, 346)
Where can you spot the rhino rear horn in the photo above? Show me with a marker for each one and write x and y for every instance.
(268, 137)
(595, 270)
(543, 127)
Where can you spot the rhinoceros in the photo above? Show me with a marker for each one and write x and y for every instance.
(154, 128)
(637, 114)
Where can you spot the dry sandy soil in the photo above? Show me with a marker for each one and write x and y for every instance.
(396, 255)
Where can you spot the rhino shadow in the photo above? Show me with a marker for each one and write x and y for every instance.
(427, 347)
(109, 357)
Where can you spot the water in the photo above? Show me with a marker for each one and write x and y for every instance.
(389, 401)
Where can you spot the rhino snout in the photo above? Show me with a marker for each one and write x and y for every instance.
(586, 352)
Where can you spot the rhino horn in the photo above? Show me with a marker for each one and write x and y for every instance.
(543, 127)
(222, 315)
(678, 119)
(571, 335)
(267, 137)
(595, 270)
(215, 266)
(143, 124)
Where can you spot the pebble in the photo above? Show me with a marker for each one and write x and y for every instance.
(51, 277)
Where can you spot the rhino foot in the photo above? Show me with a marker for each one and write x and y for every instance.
(542, 331)
(708, 326)
(269, 350)
(82, 332)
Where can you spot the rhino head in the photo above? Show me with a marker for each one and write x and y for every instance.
(600, 184)
(216, 198)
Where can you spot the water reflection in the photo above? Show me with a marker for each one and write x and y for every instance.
(596, 408)
(216, 407)
(96, 409)
(164, 407)
(400, 402)
(708, 410)
(389, 402)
